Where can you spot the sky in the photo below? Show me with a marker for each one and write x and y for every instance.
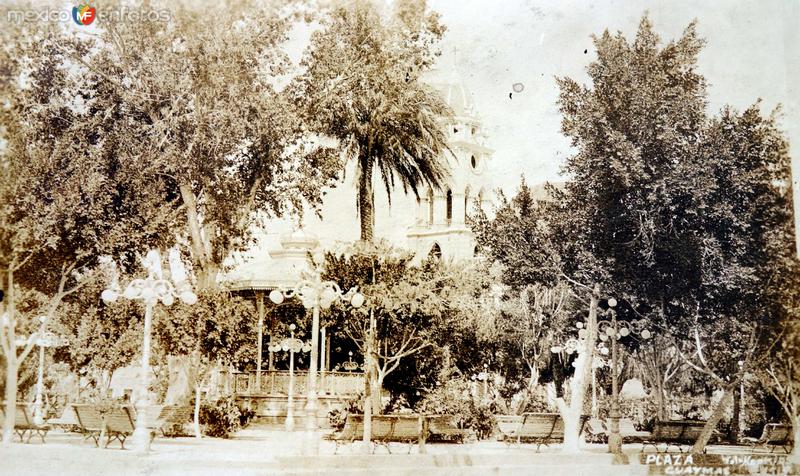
(751, 52)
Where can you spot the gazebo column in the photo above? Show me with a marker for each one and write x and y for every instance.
(328, 352)
(322, 363)
(259, 346)
(271, 328)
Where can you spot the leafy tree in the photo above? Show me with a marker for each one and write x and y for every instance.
(63, 199)
(408, 308)
(218, 329)
(527, 237)
(198, 102)
(684, 219)
(362, 86)
(782, 374)
(746, 249)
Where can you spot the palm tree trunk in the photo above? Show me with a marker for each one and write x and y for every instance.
(366, 201)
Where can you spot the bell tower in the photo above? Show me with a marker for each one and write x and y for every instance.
(441, 225)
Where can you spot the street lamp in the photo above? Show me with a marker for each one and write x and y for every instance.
(42, 339)
(315, 294)
(45, 339)
(151, 290)
(615, 330)
(349, 366)
(291, 345)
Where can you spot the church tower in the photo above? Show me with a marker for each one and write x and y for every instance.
(441, 227)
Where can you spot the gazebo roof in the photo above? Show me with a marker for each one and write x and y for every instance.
(261, 270)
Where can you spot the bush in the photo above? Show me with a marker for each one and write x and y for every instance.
(337, 416)
(480, 420)
(223, 417)
(454, 398)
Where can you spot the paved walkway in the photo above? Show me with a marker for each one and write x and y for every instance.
(266, 452)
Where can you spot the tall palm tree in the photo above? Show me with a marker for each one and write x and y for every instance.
(362, 86)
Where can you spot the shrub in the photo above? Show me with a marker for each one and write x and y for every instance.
(454, 398)
(223, 417)
(337, 416)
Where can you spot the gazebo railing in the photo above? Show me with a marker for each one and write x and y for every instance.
(276, 382)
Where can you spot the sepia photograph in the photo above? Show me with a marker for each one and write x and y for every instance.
(399, 237)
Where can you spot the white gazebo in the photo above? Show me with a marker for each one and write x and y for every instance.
(263, 271)
(259, 272)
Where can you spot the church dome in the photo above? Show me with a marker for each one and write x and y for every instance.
(457, 97)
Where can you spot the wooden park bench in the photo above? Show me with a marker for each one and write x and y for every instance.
(119, 425)
(24, 426)
(385, 429)
(508, 425)
(539, 428)
(115, 423)
(445, 428)
(673, 433)
(774, 435)
(67, 420)
(597, 430)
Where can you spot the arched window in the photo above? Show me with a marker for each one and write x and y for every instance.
(449, 206)
(435, 252)
(466, 205)
(480, 199)
(430, 207)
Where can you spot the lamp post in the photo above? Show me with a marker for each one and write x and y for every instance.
(151, 290)
(45, 339)
(42, 339)
(614, 330)
(291, 345)
(315, 294)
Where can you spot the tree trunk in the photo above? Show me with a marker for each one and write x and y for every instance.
(733, 432)
(377, 387)
(571, 414)
(794, 458)
(534, 376)
(366, 201)
(11, 400)
(201, 258)
(661, 401)
(197, 433)
(12, 364)
(712, 422)
(532, 383)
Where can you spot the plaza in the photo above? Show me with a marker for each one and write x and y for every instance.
(270, 451)
(398, 237)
